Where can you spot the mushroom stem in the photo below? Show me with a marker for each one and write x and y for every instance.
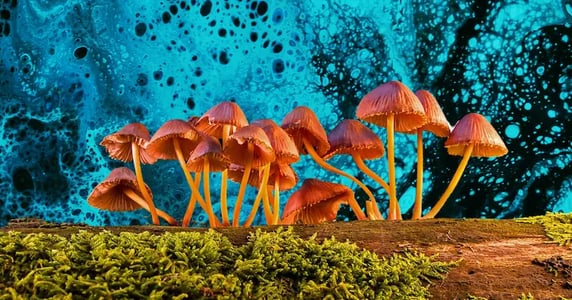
(194, 188)
(262, 193)
(454, 181)
(207, 190)
(364, 168)
(393, 205)
(192, 202)
(223, 182)
(353, 203)
(418, 206)
(276, 205)
(143, 203)
(141, 183)
(243, 184)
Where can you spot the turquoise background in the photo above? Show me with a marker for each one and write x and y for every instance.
(72, 72)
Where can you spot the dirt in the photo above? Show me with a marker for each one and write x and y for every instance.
(500, 259)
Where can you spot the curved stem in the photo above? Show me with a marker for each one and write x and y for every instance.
(141, 183)
(207, 191)
(192, 203)
(364, 168)
(261, 194)
(353, 203)
(276, 207)
(243, 184)
(454, 181)
(224, 182)
(143, 203)
(194, 188)
(392, 215)
(418, 206)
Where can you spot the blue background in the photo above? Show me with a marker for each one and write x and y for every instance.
(74, 71)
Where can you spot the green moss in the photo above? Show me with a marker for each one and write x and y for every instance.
(558, 226)
(191, 265)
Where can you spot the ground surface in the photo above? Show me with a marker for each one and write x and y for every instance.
(501, 259)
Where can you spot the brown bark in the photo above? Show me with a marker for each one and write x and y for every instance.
(497, 255)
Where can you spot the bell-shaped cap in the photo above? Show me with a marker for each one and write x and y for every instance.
(474, 129)
(162, 146)
(392, 98)
(208, 149)
(283, 145)
(301, 123)
(236, 146)
(119, 144)
(436, 121)
(351, 136)
(224, 113)
(109, 195)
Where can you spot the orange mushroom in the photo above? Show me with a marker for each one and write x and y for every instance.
(310, 138)
(473, 135)
(206, 158)
(128, 144)
(120, 192)
(353, 138)
(220, 121)
(250, 147)
(437, 124)
(394, 106)
(175, 140)
(316, 202)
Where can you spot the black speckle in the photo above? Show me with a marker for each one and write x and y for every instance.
(190, 103)
(157, 75)
(277, 48)
(5, 14)
(236, 21)
(212, 23)
(170, 81)
(253, 36)
(22, 179)
(80, 52)
(198, 72)
(140, 29)
(262, 8)
(206, 8)
(6, 29)
(223, 58)
(142, 79)
(173, 9)
(52, 51)
(222, 32)
(76, 212)
(278, 66)
(166, 17)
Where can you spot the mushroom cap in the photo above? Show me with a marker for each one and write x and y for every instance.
(303, 122)
(235, 173)
(108, 194)
(474, 129)
(118, 144)
(161, 144)
(283, 145)
(315, 202)
(436, 121)
(210, 149)
(392, 98)
(351, 136)
(236, 146)
(224, 113)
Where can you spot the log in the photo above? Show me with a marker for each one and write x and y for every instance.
(500, 259)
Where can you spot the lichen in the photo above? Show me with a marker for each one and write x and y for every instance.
(191, 265)
(558, 226)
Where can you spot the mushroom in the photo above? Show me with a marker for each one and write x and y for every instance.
(310, 138)
(438, 125)
(220, 121)
(120, 192)
(473, 135)
(394, 106)
(250, 147)
(128, 144)
(175, 140)
(206, 158)
(316, 202)
(353, 138)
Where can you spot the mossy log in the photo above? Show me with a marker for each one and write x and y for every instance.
(500, 259)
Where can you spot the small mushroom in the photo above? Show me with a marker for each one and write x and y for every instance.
(128, 144)
(310, 138)
(316, 202)
(394, 106)
(120, 192)
(220, 121)
(473, 135)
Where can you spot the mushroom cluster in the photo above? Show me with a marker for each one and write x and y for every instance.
(260, 155)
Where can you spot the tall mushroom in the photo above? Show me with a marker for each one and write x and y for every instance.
(206, 158)
(438, 125)
(250, 147)
(128, 144)
(220, 121)
(310, 138)
(175, 140)
(353, 138)
(394, 106)
(316, 202)
(120, 192)
(473, 135)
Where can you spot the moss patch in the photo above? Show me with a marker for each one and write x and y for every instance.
(192, 265)
(558, 226)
